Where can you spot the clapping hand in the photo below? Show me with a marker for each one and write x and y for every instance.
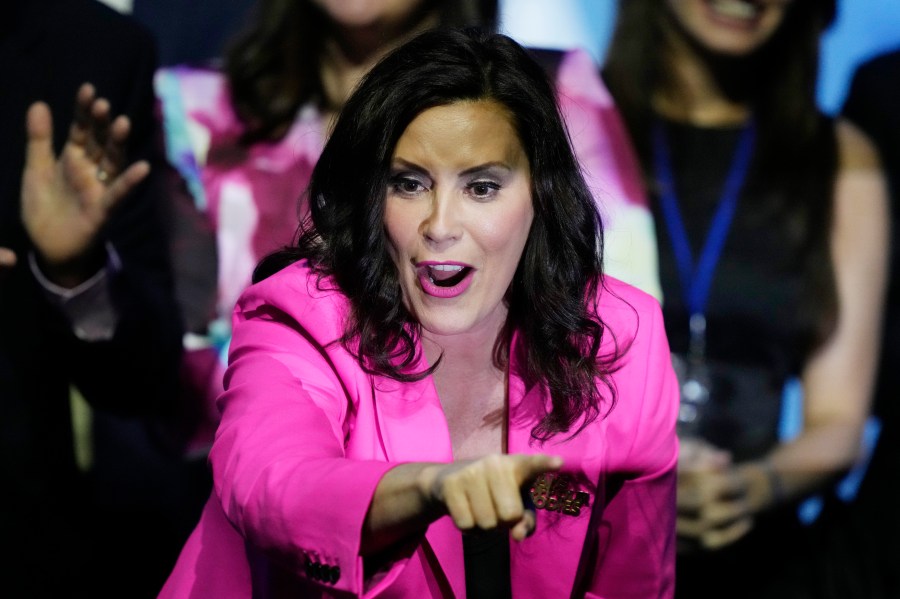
(67, 199)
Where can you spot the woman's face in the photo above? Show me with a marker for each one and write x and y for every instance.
(457, 215)
(729, 27)
(366, 13)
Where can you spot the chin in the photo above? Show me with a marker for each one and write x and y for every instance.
(729, 44)
(445, 328)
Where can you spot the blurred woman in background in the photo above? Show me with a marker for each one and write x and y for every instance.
(772, 237)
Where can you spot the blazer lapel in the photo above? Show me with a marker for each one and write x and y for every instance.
(549, 559)
(414, 429)
(412, 422)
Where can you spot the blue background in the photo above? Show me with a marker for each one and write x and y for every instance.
(862, 29)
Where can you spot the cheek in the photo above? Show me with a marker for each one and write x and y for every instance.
(396, 232)
(506, 233)
(772, 21)
(397, 227)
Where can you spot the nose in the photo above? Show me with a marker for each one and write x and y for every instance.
(441, 227)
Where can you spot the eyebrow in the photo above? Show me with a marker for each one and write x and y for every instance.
(480, 168)
(486, 167)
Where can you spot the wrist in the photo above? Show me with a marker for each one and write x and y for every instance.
(72, 272)
(773, 478)
(764, 486)
(425, 481)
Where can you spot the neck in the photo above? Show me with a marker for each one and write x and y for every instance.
(472, 391)
(468, 354)
(349, 53)
(696, 91)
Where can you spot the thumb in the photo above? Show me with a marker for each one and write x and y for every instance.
(39, 130)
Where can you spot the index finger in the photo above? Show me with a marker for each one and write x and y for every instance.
(530, 465)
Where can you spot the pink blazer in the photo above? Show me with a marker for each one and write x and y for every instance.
(306, 435)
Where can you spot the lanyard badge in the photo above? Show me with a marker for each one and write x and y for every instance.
(696, 278)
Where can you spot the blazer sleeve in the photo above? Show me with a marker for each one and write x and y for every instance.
(279, 463)
(636, 534)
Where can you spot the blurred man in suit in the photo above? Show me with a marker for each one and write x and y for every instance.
(85, 291)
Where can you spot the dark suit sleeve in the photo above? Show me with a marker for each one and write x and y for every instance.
(135, 371)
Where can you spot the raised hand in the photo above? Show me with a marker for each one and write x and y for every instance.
(67, 199)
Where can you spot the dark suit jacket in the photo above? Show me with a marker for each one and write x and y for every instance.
(47, 49)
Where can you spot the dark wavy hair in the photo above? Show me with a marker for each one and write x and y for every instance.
(552, 294)
(272, 64)
(795, 163)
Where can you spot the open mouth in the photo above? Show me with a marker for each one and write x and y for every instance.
(445, 280)
(447, 275)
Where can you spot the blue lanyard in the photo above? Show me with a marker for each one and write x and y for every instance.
(696, 281)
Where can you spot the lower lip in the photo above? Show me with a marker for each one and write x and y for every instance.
(445, 292)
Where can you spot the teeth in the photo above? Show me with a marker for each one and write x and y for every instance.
(444, 274)
(737, 9)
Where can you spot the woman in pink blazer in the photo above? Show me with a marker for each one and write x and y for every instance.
(435, 393)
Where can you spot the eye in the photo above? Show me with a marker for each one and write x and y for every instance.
(483, 190)
(406, 185)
